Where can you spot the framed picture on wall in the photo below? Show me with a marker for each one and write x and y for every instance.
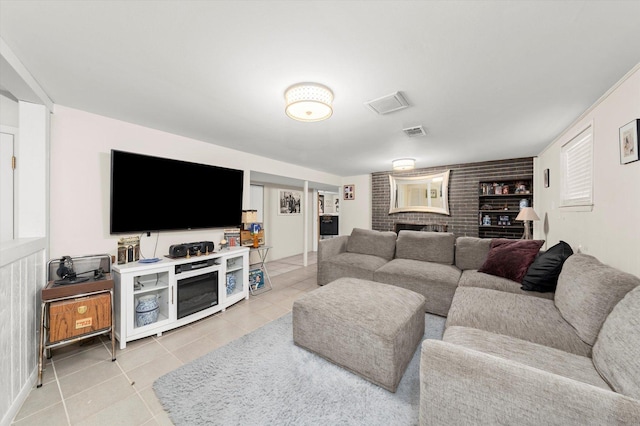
(289, 202)
(349, 192)
(629, 142)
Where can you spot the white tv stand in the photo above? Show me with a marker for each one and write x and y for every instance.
(134, 280)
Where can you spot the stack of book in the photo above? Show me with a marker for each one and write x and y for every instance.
(232, 236)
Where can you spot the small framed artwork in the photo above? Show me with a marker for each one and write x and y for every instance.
(349, 192)
(434, 193)
(290, 202)
(629, 142)
(546, 178)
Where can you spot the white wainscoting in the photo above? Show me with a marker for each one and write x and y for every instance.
(20, 283)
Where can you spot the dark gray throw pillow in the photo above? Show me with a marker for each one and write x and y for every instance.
(543, 273)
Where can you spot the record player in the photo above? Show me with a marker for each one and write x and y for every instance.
(65, 275)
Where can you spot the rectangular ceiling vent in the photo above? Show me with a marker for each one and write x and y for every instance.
(412, 132)
(387, 104)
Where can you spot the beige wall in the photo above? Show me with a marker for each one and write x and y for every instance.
(356, 213)
(284, 233)
(610, 231)
(8, 112)
(80, 165)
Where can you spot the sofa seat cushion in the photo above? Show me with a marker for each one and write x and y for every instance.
(435, 281)
(373, 243)
(616, 353)
(473, 278)
(552, 360)
(528, 318)
(352, 265)
(587, 291)
(436, 247)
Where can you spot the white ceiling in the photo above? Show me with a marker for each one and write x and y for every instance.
(487, 79)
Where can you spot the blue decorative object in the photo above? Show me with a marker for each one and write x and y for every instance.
(255, 228)
(147, 310)
(524, 203)
(231, 283)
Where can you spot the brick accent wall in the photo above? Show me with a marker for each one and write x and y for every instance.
(463, 194)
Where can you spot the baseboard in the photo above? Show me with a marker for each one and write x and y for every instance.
(20, 399)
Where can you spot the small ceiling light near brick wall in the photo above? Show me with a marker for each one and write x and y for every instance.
(403, 164)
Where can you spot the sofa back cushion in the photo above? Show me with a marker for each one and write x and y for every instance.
(374, 243)
(587, 291)
(616, 354)
(435, 247)
(471, 252)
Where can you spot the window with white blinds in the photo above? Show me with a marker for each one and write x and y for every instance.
(577, 170)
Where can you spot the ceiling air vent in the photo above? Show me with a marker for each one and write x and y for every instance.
(412, 132)
(387, 104)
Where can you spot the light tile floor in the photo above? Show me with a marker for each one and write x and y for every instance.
(81, 386)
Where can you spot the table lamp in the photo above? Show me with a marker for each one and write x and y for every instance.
(527, 214)
(251, 217)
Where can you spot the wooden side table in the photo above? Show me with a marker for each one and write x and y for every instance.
(70, 313)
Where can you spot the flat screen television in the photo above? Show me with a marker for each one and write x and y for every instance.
(160, 194)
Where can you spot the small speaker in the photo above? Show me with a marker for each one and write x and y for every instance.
(206, 246)
(203, 246)
(178, 250)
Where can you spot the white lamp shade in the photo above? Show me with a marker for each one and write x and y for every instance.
(249, 216)
(403, 164)
(527, 213)
(308, 102)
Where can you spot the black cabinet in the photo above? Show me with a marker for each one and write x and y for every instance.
(328, 225)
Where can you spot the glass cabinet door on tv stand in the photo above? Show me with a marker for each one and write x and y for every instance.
(236, 278)
(150, 301)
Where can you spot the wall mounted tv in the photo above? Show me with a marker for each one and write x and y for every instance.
(159, 194)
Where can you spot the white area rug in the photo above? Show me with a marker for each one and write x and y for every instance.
(264, 379)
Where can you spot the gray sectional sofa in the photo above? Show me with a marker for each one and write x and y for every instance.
(513, 359)
(566, 358)
(433, 264)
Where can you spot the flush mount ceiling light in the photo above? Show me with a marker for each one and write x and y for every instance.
(308, 102)
(403, 164)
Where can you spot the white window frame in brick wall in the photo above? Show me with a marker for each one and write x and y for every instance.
(576, 177)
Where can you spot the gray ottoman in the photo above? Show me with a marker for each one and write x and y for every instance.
(369, 328)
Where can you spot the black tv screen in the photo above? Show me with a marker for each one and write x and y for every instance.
(159, 194)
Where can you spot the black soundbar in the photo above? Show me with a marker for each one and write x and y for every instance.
(180, 250)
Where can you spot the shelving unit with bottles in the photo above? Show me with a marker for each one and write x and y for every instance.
(499, 204)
